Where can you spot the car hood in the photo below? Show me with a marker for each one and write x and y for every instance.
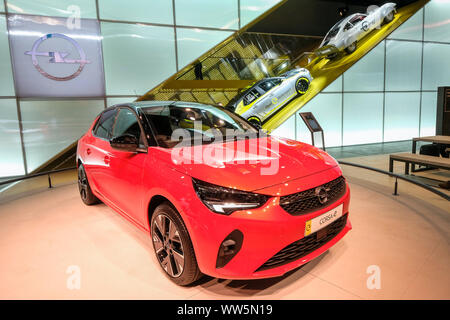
(278, 161)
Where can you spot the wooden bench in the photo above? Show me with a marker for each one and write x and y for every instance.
(412, 158)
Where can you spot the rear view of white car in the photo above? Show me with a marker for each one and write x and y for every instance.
(345, 34)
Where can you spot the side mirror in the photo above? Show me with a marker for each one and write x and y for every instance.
(126, 142)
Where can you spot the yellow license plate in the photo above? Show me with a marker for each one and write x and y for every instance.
(323, 220)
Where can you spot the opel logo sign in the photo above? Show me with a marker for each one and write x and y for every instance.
(322, 194)
(58, 56)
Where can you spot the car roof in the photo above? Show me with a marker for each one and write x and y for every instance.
(344, 21)
(155, 103)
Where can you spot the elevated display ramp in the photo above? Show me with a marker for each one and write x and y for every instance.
(326, 71)
(220, 75)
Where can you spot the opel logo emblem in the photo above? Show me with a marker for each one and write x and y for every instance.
(365, 25)
(58, 56)
(322, 194)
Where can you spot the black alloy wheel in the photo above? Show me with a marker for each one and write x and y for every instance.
(302, 85)
(351, 48)
(168, 245)
(84, 188)
(389, 17)
(173, 246)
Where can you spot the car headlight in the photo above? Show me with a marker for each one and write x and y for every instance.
(227, 200)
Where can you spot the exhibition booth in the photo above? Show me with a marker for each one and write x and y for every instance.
(251, 149)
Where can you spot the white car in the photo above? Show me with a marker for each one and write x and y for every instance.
(346, 33)
(266, 96)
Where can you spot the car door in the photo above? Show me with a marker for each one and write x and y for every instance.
(350, 33)
(280, 93)
(127, 168)
(98, 152)
(365, 24)
(269, 101)
(251, 97)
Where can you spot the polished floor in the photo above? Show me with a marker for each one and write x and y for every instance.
(47, 237)
(370, 149)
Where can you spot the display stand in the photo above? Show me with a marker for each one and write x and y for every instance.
(313, 126)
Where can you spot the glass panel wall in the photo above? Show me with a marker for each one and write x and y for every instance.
(335, 86)
(368, 73)
(51, 126)
(287, 129)
(6, 79)
(436, 65)
(153, 46)
(119, 100)
(428, 114)
(11, 160)
(411, 29)
(363, 118)
(251, 9)
(327, 108)
(192, 43)
(403, 65)
(401, 118)
(437, 26)
(206, 13)
(56, 8)
(137, 10)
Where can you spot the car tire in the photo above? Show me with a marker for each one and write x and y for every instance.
(389, 17)
(173, 248)
(301, 85)
(84, 188)
(332, 56)
(255, 121)
(351, 48)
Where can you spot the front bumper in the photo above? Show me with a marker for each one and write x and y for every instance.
(266, 230)
(326, 50)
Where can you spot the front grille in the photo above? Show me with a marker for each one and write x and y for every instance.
(305, 246)
(308, 201)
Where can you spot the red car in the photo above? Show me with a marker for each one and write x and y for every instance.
(226, 220)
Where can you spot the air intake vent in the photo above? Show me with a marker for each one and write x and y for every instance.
(306, 245)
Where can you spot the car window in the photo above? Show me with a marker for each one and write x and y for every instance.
(268, 85)
(197, 121)
(126, 123)
(277, 81)
(104, 125)
(358, 18)
(251, 96)
(348, 26)
(333, 32)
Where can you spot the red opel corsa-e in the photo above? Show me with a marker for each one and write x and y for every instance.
(224, 218)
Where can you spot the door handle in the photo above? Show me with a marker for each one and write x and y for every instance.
(106, 159)
(88, 151)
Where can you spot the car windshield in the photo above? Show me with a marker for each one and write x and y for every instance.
(290, 73)
(333, 32)
(357, 19)
(197, 122)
